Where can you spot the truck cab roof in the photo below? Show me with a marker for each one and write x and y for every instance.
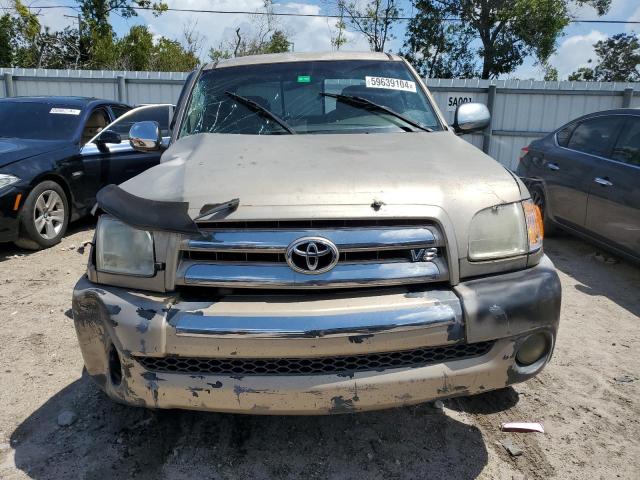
(302, 57)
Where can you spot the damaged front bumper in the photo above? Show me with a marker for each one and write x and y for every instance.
(315, 354)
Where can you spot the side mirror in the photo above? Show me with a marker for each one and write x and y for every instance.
(145, 136)
(471, 117)
(107, 136)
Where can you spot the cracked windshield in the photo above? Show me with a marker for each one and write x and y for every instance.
(309, 97)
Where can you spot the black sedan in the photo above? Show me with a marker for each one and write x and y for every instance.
(585, 177)
(56, 153)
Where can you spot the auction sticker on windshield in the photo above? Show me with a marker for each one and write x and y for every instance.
(390, 83)
(65, 111)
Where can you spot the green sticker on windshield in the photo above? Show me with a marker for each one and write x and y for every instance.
(304, 78)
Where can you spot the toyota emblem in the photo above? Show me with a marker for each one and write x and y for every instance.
(312, 255)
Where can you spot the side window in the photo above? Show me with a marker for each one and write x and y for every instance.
(627, 148)
(157, 113)
(562, 137)
(594, 136)
(97, 121)
(118, 111)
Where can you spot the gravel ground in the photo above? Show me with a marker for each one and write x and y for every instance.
(587, 399)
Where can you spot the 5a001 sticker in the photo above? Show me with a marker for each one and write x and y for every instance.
(390, 83)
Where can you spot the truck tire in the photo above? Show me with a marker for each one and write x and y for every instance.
(44, 217)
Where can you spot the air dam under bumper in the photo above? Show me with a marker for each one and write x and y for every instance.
(119, 330)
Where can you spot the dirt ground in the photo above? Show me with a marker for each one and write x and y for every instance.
(587, 398)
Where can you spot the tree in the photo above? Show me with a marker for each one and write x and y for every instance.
(278, 43)
(139, 51)
(135, 49)
(97, 12)
(373, 19)
(6, 35)
(618, 60)
(24, 43)
(171, 56)
(583, 74)
(508, 31)
(97, 38)
(28, 47)
(264, 36)
(338, 38)
(550, 73)
(436, 47)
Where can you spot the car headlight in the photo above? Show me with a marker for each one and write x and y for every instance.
(505, 231)
(6, 179)
(123, 249)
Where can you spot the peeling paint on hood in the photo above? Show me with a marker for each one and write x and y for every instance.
(436, 168)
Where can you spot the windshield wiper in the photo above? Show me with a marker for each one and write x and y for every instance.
(369, 105)
(265, 112)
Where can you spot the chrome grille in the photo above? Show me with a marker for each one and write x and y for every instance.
(371, 253)
(340, 365)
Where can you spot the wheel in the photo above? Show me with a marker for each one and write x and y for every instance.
(44, 217)
(538, 198)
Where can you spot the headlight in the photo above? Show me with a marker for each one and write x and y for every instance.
(123, 249)
(505, 231)
(6, 180)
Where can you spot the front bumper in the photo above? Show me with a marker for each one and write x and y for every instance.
(119, 328)
(9, 221)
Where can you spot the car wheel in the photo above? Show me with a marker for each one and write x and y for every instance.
(538, 197)
(44, 217)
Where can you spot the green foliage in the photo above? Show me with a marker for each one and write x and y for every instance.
(437, 48)
(138, 51)
(338, 37)
(264, 37)
(550, 74)
(507, 32)
(278, 43)
(97, 12)
(170, 56)
(6, 40)
(93, 45)
(583, 74)
(217, 54)
(618, 60)
(136, 48)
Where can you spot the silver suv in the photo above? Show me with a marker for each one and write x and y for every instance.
(315, 240)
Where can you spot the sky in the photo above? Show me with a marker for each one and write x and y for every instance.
(574, 48)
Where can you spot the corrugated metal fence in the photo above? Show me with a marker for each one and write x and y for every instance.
(522, 110)
(130, 87)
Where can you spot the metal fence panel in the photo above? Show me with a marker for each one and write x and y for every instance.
(522, 110)
(134, 88)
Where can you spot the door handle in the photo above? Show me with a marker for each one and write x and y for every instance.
(603, 181)
(553, 166)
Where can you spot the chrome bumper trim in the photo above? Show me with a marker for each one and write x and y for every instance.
(281, 276)
(346, 239)
(440, 308)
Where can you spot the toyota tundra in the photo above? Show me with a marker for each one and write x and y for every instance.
(316, 239)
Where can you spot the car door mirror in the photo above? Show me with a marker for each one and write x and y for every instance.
(107, 136)
(145, 136)
(471, 117)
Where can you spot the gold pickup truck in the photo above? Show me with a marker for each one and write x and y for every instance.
(316, 239)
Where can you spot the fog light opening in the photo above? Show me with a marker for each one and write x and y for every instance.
(534, 348)
(115, 367)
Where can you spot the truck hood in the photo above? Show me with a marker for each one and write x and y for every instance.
(283, 172)
(14, 149)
